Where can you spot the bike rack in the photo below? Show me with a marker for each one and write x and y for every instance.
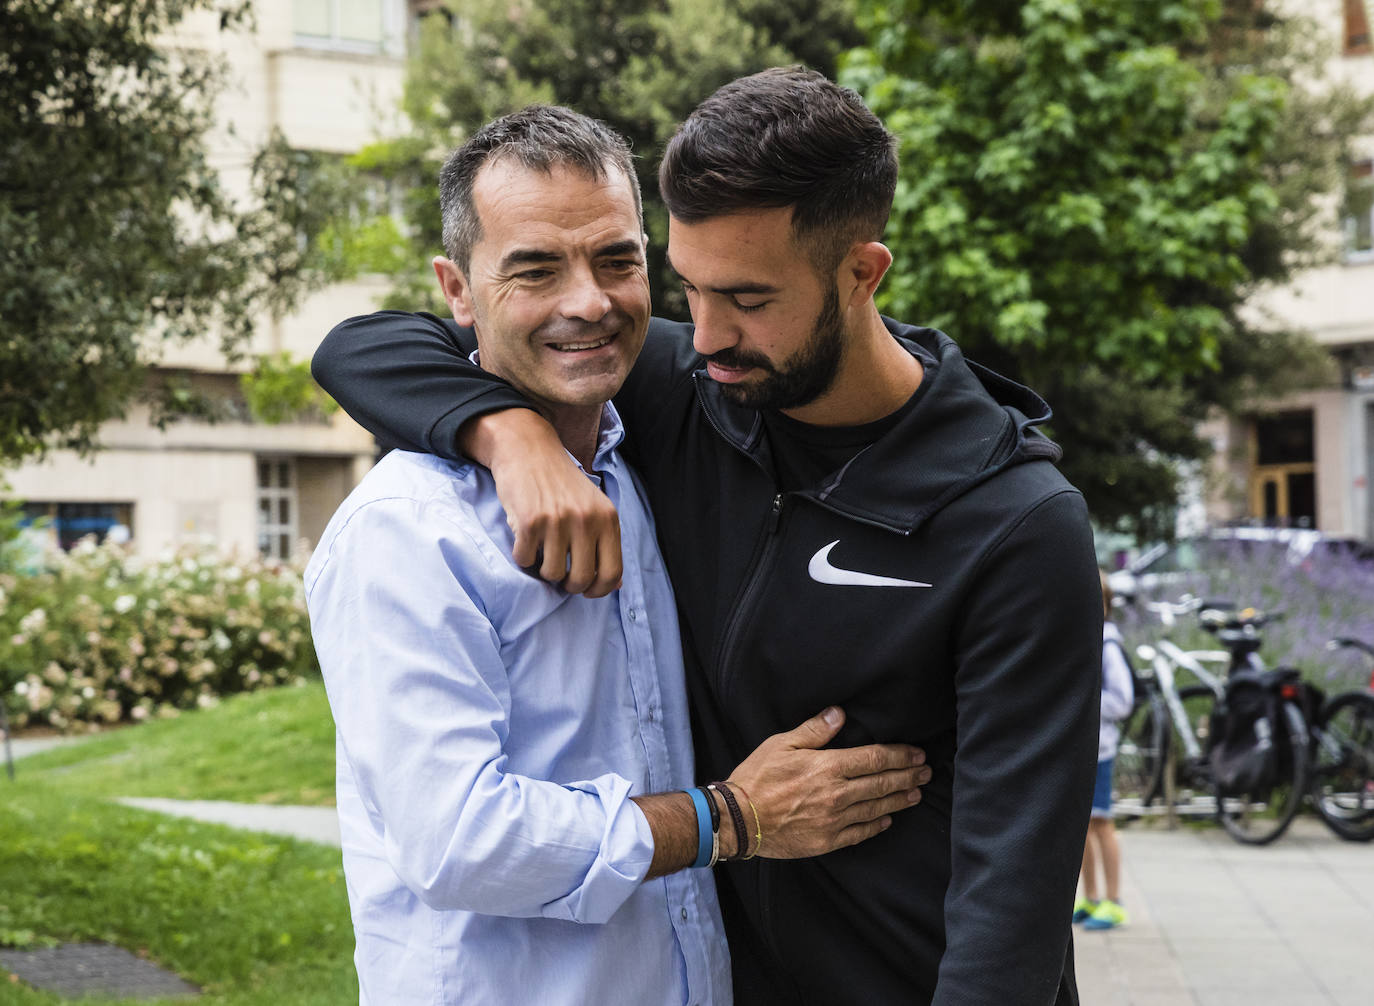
(1196, 806)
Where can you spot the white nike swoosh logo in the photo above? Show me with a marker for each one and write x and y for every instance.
(822, 572)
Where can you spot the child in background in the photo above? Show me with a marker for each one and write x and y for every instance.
(1118, 695)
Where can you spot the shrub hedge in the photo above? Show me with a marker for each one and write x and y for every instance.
(98, 636)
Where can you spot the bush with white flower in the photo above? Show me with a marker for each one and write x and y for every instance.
(98, 636)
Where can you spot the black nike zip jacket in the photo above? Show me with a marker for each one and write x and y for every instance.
(941, 588)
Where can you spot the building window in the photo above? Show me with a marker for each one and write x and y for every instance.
(277, 507)
(1283, 481)
(1356, 34)
(70, 522)
(1359, 211)
(364, 26)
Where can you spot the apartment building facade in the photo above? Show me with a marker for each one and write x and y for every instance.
(1307, 461)
(328, 74)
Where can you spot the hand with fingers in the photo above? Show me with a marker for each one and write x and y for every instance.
(566, 530)
(811, 801)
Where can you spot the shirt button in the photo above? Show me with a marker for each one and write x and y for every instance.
(684, 915)
(634, 615)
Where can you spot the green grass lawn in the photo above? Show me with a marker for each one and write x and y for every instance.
(272, 746)
(253, 919)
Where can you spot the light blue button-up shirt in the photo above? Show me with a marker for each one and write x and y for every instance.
(491, 731)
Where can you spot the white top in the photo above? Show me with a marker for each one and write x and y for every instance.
(1118, 694)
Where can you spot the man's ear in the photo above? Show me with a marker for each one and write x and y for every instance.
(864, 267)
(453, 285)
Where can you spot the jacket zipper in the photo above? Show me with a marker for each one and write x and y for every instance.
(744, 601)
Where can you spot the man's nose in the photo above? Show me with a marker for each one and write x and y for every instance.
(713, 332)
(584, 298)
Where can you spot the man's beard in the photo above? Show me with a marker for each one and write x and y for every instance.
(803, 377)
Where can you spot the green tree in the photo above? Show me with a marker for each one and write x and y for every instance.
(1091, 192)
(116, 236)
(640, 65)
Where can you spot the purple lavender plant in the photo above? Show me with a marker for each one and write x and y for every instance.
(1327, 594)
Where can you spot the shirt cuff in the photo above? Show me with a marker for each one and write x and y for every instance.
(622, 861)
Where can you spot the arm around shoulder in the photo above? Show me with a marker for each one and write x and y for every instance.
(407, 379)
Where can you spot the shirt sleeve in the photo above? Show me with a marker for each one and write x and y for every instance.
(1118, 693)
(421, 701)
(1027, 687)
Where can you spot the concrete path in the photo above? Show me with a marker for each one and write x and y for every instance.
(314, 824)
(20, 747)
(1215, 923)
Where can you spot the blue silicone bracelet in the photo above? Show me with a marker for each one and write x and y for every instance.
(703, 828)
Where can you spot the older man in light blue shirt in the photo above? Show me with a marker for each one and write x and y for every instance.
(492, 730)
(514, 759)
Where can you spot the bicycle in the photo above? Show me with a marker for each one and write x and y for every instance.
(1180, 724)
(1168, 717)
(1260, 792)
(1343, 768)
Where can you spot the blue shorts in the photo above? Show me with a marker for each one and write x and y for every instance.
(1102, 789)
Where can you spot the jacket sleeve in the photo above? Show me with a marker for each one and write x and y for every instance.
(421, 702)
(1027, 686)
(407, 378)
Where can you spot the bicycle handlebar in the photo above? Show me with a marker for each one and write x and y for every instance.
(1341, 642)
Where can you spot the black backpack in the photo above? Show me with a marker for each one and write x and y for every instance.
(1249, 738)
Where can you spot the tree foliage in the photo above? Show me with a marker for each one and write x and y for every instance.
(280, 389)
(639, 65)
(116, 236)
(1090, 194)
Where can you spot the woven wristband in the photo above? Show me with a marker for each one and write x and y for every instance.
(736, 817)
(704, 834)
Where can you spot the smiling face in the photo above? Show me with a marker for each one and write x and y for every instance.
(770, 326)
(556, 288)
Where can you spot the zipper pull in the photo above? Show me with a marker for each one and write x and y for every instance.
(775, 514)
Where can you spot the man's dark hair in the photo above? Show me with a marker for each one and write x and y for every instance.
(538, 137)
(785, 137)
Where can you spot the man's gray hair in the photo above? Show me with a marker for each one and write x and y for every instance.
(538, 137)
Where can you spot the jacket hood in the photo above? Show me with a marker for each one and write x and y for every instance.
(971, 423)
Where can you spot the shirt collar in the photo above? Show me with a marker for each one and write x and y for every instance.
(609, 434)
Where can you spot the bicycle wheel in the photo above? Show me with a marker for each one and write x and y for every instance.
(1193, 775)
(1259, 817)
(1138, 774)
(1343, 783)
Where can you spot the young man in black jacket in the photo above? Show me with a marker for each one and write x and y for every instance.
(851, 514)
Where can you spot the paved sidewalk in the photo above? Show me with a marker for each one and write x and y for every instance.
(1215, 923)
